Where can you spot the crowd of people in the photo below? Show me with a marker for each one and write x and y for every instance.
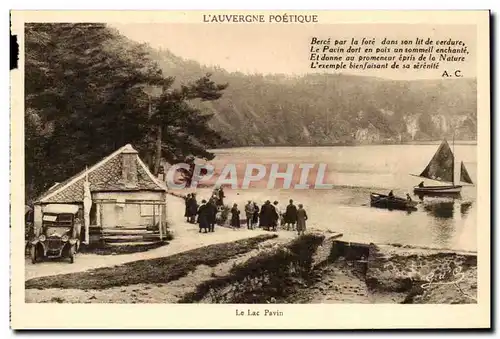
(271, 216)
(268, 217)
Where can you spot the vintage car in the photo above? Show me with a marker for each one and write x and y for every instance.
(59, 235)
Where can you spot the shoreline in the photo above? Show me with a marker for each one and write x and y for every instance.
(271, 269)
(350, 144)
(236, 196)
(334, 270)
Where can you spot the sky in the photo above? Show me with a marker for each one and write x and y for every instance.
(268, 48)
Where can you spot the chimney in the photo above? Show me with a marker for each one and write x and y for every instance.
(129, 166)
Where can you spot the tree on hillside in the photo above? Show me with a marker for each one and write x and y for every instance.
(81, 81)
(85, 98)
(179, 129)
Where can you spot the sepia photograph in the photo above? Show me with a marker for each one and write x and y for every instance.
(256, 159)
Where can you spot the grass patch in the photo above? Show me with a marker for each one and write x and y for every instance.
(151, 271)
(57, 300)
(263, 277)
(122, 249)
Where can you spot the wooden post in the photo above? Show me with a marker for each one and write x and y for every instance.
(98, 214)
(154, 216)
(37, 219)
(160, 223)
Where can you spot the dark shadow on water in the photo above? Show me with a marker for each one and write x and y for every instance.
(440, 210)
(443, 225)
(465, 208)
(442, 195)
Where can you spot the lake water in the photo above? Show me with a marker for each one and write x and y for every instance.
(355, 171)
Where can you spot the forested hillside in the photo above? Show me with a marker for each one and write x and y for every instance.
(326, 109)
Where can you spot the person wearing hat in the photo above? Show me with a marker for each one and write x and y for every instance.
(275, 216)
(255, 220)
(301, 220)
(204, 217)
(291, 216)
(235, 216)
(187, 201)
(249, 211)
(212, 214)
(266, 215)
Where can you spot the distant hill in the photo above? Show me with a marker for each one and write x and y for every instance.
(329, 109)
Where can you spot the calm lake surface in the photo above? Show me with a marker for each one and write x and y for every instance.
(355, 171)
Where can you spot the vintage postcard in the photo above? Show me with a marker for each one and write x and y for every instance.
(251, 170)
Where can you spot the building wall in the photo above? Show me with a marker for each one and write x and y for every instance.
(139, 195)
(117, 209)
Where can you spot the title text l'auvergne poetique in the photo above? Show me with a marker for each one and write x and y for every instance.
(260, 18)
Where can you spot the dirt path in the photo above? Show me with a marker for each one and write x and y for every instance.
(342, 283)
(186, 237)
(169, 292)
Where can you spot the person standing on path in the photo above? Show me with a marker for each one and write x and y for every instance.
(249, 211)
(212, 214)
(291, 216)
(267, 215)
(187, 201)
(235, 216)
(193, 208)
(262, 216)
(255, 220)
(275, 216)
(221, 194)
(301, 220)
(203, 216)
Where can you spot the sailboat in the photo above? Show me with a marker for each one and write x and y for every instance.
(442, 168)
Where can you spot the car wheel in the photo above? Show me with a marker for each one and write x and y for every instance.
(33, 254)
(72, 254)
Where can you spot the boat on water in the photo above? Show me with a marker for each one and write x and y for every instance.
(442, 168)
(396, 203)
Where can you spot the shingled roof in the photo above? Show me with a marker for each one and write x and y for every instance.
(106, 175)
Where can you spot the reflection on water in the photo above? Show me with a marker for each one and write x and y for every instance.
(440, 209)
(443, 225)
(446, 209)
(445, 196)
(465, 207)
(443, 211)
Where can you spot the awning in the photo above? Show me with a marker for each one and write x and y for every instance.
(60, 208)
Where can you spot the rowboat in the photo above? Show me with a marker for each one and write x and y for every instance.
(396, 203)
(442, 168)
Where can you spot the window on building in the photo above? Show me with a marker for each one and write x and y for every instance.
(147, 210)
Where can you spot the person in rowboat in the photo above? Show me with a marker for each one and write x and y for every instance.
(421, 184)
(391, 195)
(408, 198)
